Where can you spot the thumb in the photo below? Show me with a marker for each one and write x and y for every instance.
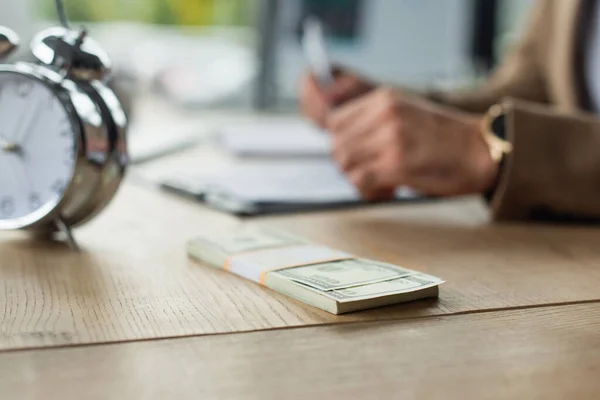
(345, 88)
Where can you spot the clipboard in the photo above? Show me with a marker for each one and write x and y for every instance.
(275, 187)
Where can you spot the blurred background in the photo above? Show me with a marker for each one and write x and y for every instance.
(246, 53)
(187, 69)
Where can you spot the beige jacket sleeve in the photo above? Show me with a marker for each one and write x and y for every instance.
(554, 169)
(519, 76)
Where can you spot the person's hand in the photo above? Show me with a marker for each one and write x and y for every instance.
(316, 103)
(384, 139)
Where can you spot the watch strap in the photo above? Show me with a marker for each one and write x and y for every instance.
(494, 132)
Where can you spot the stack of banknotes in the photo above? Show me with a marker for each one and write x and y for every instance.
(329, 279)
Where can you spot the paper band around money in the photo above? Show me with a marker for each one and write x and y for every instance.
(257, 264)
(227, 264)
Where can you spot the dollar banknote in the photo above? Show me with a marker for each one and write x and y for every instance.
(215, 249)
(339, 301)
(317, 275)
(407, 284)
(251, 239)
(344, 274)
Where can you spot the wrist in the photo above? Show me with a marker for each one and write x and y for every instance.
(487, 164)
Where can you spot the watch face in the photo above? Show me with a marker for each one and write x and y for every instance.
(37, 150)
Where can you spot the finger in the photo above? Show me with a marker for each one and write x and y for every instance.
(379, 195)
(348, 114)
(365, 181)
(364, 112)
(381, 118)
(313, 101)
(366, 147)
(380, 174)
(346, 87)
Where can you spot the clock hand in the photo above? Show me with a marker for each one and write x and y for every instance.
(24, 134)
(9, 147)
(4, 143)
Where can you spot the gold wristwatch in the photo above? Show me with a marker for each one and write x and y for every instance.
(494, 132)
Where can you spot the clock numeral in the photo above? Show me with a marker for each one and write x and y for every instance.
(7, 206)
(35, 201)
(65, 128)
(58, 187)
(24, 88)
(69, 156)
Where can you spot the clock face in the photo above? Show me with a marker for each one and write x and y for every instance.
(37, 150)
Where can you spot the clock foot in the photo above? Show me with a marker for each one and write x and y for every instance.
(64, 228)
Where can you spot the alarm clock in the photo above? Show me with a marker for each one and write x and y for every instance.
(62, 133)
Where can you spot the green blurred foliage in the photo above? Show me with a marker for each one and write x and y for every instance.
(166, 12)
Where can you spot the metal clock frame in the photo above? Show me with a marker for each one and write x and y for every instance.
(94, 113)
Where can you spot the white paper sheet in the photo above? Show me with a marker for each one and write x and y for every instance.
(292, 137)
(300, 181)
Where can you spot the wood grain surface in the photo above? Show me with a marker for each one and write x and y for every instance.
(134, 281)
(545, 353)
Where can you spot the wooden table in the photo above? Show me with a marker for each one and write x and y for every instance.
(518, 317)
(134, 281)
(132, 317)
(542, 353)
